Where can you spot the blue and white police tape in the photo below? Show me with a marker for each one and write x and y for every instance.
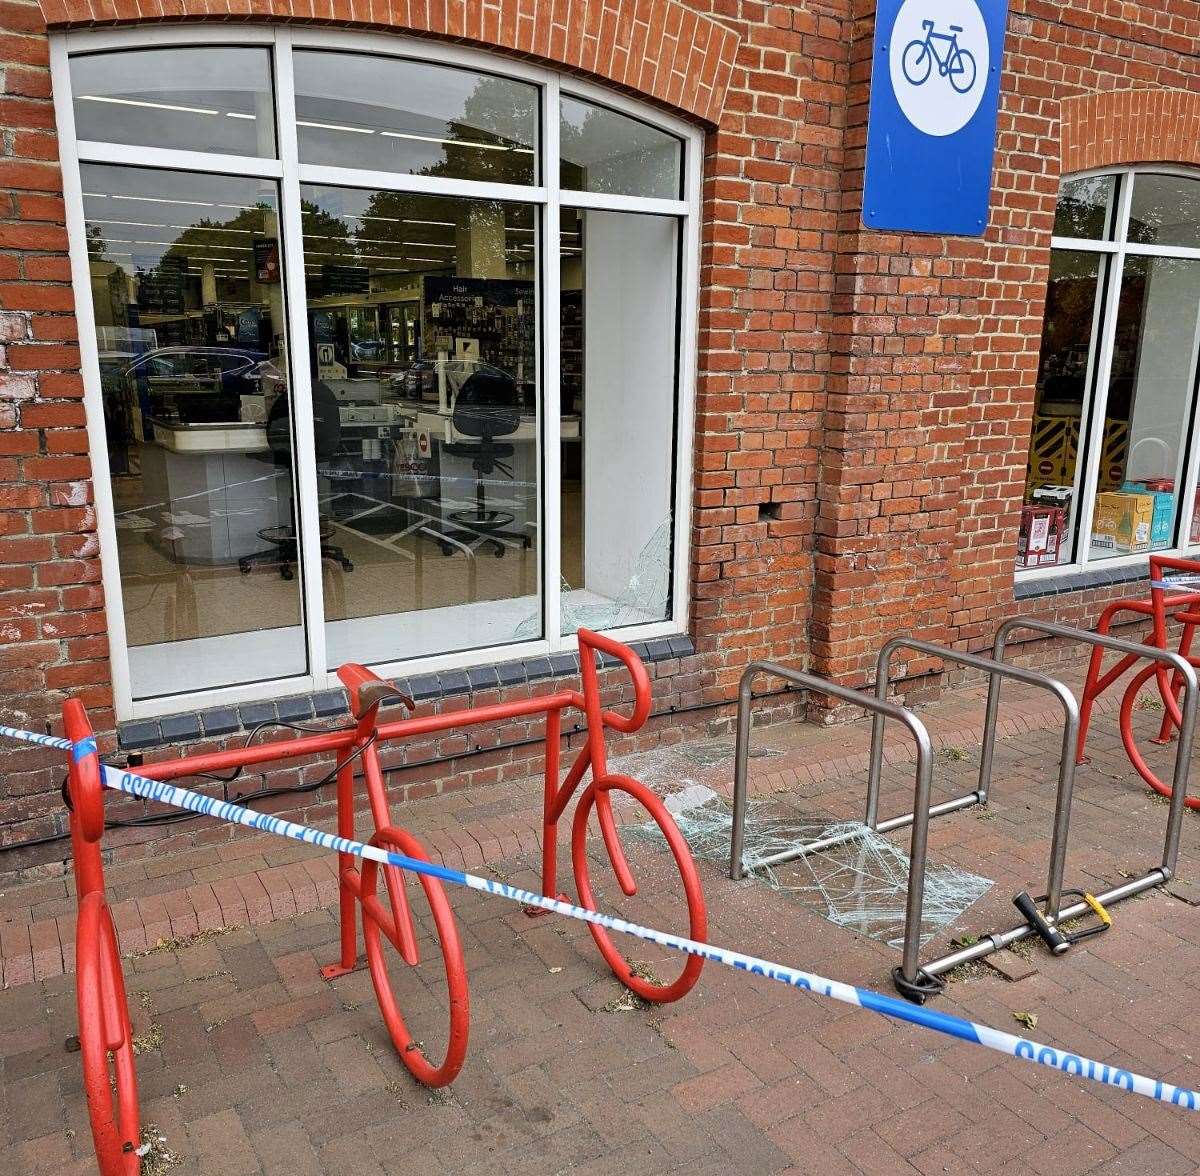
(1175, 582)
(1005, 1043)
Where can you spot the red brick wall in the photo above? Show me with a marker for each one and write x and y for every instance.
(1076, 77)
(770, 230)
(864, 399)
(935, 340)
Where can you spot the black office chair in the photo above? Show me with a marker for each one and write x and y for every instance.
(327, 441)
(487, 407)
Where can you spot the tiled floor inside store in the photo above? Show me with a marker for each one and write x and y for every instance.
(250, 1063)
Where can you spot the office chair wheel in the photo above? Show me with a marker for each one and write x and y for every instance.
(499, 552)
(244, 566)
(446, 548)
(286, 573)
(347, 565)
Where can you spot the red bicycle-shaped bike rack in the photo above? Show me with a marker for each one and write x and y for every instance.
(106, 1040)
(1164, 604)
(394, 922)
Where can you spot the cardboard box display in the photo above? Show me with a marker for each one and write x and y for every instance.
(1122, 523)
(1162, 493)
(1039, 542)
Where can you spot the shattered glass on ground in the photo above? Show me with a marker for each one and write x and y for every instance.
(860, 884)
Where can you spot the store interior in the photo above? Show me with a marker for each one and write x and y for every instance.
(424, 360)
(1141, 440)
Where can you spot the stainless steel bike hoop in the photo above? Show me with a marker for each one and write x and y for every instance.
(882, 708)
(908, 975)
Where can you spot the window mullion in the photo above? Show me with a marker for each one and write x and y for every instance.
(304, 468)
(551, 382)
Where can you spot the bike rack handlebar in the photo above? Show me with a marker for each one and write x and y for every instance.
(591, 643)
(882, 708)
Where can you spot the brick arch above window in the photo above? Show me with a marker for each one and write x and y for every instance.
(657, 49)
(1130, 126)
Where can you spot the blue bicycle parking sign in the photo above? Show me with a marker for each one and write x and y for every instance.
(935, 92)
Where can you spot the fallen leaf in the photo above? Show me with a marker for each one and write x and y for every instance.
(555, 971)
(1029, 1020)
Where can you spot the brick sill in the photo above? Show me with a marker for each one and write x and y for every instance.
(230, 720)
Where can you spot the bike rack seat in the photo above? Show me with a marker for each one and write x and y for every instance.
(368, 690)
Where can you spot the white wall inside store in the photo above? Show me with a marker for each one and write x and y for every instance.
(1166, 368)
(631, 276)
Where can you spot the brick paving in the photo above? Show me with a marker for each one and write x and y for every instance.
(253, 1064)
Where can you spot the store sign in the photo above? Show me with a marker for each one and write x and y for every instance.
(935, 93)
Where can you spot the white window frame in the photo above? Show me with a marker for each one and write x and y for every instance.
(290, 174)
(1099, 371)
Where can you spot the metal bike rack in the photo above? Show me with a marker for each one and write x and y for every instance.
(1155, 877)
(882, 709)
(910, 978)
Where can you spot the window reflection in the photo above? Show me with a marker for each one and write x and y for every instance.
(1085, 208)
(185, 275)
(214, 98)
(406, 116)
(603, 151)
(1064, 372)
(422, 314)
(1165, 210)
(1151, 390)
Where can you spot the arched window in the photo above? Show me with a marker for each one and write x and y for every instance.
(1113, 458)
(390, 348)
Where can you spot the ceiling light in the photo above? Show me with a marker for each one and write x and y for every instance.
(149, 105)
(322, 126)
(161, 200)
(454, 142)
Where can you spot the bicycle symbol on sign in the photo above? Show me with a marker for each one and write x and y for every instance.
(957, 64)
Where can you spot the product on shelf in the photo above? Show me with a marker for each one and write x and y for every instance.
(1047, 495)
(1161, 492)
(1122, 523)
(1040, 541)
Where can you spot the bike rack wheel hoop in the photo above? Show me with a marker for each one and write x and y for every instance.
(1164, 663)
(913, 980)
(376, 921)
(1170, 678)
(881, 709)
(598, 794)
(105, 1033)
(1054, 913)
(1158, 609)
(1129, 738)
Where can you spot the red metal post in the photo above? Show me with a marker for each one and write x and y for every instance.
(346, 892)
(105, 1036)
